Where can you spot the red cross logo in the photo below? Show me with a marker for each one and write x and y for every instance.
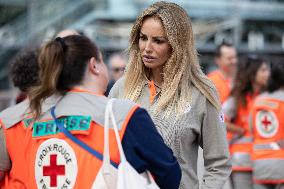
(53, 170)
(266, 122)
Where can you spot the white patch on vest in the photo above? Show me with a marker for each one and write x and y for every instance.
(266, 124)
(55, 165)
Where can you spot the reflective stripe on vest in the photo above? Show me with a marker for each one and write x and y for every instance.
(268, 171)
(277, 145)
(241, 161)
(242, 140)
(241, 157)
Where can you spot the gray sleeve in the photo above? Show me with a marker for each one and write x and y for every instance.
(229, 108)
(217, 161)
(5, 163)
(117, 89)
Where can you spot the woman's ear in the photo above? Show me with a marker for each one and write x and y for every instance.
(93, 66)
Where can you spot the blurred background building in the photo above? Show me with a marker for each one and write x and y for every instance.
(251, 25)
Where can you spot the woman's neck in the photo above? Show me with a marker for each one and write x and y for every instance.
(157, 76)
(227, 75)
(256, 88)
(90, 88)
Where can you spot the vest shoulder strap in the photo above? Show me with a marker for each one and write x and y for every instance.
(12, 115)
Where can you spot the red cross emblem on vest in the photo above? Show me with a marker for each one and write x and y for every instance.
(53, 170)
(266, 122)
(55, 164)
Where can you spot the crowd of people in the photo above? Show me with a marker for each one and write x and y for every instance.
(164, 105)
(251, 128)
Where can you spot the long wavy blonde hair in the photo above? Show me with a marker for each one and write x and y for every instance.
(180, 71)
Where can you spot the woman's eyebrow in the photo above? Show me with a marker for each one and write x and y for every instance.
(141, 33)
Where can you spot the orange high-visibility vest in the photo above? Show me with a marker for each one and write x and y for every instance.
(222, 84)
(223, 87)
(268, 145)
(241, 148)
(42, 157)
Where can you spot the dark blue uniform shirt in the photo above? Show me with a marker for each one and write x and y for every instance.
(145, 149)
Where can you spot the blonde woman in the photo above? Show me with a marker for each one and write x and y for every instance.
(164, 76)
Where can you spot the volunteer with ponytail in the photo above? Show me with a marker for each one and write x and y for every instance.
(251, 78)
(43, 157)
(268, 133)
(164, 76)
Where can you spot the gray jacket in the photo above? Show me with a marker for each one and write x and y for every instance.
(201, 125)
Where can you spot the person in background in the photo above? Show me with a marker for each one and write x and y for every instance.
(24, 67)
(164, 76)
(226, 60)
(49, 158)
(117, 64)
(268, 132)
(251, 79)
(24, 72)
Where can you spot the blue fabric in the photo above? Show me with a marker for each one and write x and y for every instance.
(76, 140)
(145, 150)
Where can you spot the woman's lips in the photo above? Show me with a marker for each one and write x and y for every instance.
(148, 59)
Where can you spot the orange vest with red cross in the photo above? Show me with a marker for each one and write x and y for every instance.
(42, 157)
(241, 147)
(268, 145)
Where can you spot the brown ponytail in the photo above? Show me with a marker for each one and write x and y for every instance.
(51, 61)
(62, 65)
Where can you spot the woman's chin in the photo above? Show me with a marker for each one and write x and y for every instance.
(151, 65)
